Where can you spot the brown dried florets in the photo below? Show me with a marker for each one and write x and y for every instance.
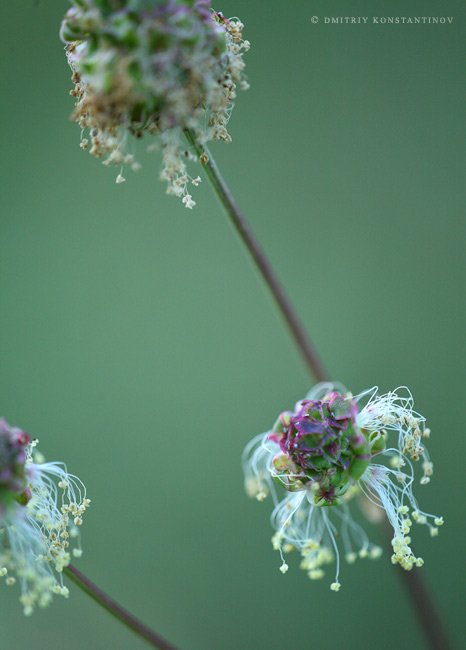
(156, 69)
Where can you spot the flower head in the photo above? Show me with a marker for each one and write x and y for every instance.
(41, 508)
(145, 67)
(323, 453)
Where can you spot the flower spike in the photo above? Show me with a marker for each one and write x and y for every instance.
(326, 451)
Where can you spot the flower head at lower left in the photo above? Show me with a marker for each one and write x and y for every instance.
(41, 510)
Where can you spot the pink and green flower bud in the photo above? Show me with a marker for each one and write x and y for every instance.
(323, 447)
(332, 448)
(282, 421)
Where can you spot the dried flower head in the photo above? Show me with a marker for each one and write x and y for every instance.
(41, 509)
(323, 453)
(142, 66)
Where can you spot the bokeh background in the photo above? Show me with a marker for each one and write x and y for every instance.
(138, 344)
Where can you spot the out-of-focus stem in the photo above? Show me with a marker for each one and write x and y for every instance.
(423, 604)
(115, 609)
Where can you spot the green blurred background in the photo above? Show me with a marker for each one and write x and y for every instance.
(138, 344)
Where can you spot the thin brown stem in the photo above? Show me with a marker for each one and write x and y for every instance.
(309, 354)
(116, 610)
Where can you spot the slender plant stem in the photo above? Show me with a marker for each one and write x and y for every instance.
(421, 599)
(259, 258)
(115, 609)
(415, 587)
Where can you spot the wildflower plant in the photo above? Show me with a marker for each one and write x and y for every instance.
(41, 510)
(325, 452)
(143, 67)
(169, 69)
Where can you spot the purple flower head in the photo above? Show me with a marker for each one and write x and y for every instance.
(332, 448)
(322, 447)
